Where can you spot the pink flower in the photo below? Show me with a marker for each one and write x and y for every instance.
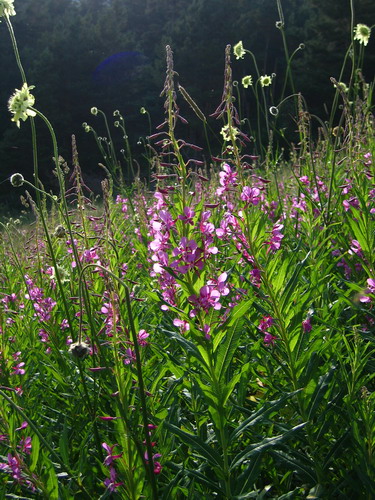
(353, 202)
(371, 285)
(129, 356)
(208, 298)
(182, 324)
(18, 370)
(370, 289)
(227, 178)
(265, 323)
(110, 482)
(250, 195)
(23, 426)
(275, 240)
(14, 466)
(355, 248)
(220, 284)
(189, 256)
(142, 336)
(188, 216)
(110, 456)
(157, 465)
(269, 339)
(64, 324)
(25, 445)
(306, 325)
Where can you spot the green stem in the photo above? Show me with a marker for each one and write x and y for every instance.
(15, 48)
(142, 396)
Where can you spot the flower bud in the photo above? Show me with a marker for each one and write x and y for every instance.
(79, 350)
(60, 231)
(274, 111)
(16, 180)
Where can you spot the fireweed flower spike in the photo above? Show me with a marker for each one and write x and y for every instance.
(20, 103)
(362, 33)
(239, 51)
(247, 81)
(7, 8)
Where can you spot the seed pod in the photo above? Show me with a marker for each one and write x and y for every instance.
(79, 350)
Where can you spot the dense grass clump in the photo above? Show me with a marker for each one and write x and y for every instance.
(208, 335)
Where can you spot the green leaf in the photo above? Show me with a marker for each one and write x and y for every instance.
(247, 478)
(257, 448)
(50, 478)
(240, 310)
(227, 349)
(188, 346)
(320, 391)
(310, 369)
(34, 452)
(291, 285)
(297, 463)
(197, 445)
(358, 228)
(266, 408)
(63, 443)
(197, 475)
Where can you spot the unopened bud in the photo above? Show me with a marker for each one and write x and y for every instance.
(16, 180)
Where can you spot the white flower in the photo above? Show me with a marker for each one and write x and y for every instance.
(239, 51)
(20, 103)
(341, 86)
(247, 81)
(7, 8)
(265, 80)
(362, 33)
(228, 131)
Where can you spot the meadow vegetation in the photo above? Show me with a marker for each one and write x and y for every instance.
(209, 333)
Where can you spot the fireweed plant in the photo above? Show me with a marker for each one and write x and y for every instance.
(210, 337)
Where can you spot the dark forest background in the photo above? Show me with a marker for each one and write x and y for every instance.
(111, 54)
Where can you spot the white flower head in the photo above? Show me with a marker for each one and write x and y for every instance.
(265, 80)
(362, 33)
(247, 81)
(341, 86)
(238, 50)
(228, 132)
(7, 8)
(20, 103)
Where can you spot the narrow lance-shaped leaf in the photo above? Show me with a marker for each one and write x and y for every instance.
(254, 449)
(262, 413)
(197, 445)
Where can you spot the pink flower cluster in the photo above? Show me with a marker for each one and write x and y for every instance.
(42, 305)
(265, 324)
